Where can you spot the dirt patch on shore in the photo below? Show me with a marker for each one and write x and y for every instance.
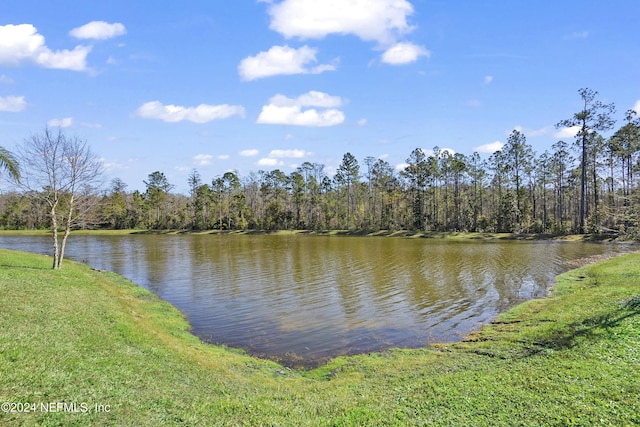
(581, 262)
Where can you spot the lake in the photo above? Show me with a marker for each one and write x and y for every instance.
(303, 299)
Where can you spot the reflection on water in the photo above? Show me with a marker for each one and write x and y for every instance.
(303, 299)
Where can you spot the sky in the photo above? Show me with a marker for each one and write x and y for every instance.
(252, 85)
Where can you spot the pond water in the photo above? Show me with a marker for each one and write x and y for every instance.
(304, 299)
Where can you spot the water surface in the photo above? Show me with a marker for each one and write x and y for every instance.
(303, 299)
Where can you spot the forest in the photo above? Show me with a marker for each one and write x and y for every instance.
(586, 185)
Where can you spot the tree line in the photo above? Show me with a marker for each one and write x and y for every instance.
(588, 185)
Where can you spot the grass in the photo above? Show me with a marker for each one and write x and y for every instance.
(78, 335)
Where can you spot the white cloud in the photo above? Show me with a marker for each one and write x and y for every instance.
(474, 103)
(6, 79)
(312, 98)
(249, 153)
(60, 123)
(272, 114)
(401, 166)
(488, 79)
(203, 159)
(382, 21)
(289, 111)
(75, 59)
(404, 53)
(12, 104)
(489, 148)
(362, 122)
(98, 30)
(22, 43)
(281, 60)
(203, 113)
(569, 132)
(274, 157)
(290, 154)
(267, 161)
(223, 157)
(636, 107)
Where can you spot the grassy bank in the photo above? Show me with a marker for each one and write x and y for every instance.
(93, 338)
(451, 235)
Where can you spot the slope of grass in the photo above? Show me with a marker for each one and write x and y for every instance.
(78, 336)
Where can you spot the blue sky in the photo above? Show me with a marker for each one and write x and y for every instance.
(248, 85)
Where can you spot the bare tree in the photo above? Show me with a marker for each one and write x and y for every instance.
(63, 172)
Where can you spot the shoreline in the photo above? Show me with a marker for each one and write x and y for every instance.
(450, 235)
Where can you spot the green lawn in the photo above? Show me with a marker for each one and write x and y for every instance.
(78, 336)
